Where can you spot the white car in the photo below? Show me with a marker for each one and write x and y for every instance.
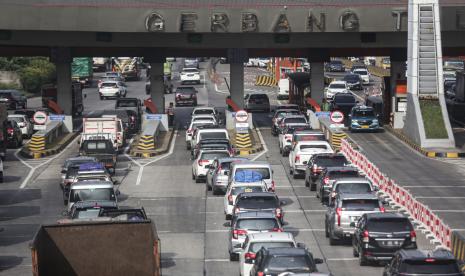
(336, 87)
(301, 153)
(204, 159)
(234, 189)
(215, 133)
(364, 75)
(24, 124)
(285, 137)
(205, 111)
(262, 167)
(203, 117)
(191, 75)
(283, 89)
(263, 62)
(192, 126)
(254, 242)
(112, 89)
(252, 62)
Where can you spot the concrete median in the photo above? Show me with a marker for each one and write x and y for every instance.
(154, 140)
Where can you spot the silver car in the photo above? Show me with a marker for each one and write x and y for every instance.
(254, 102)
(217, 175)
(346, 210)
(246, 223)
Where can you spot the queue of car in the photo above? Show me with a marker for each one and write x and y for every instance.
(355, 213)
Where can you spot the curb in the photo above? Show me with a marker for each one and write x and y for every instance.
(427, 153)
(25, 152)
(149, 153)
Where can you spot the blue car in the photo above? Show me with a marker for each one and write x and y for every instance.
(363, 118)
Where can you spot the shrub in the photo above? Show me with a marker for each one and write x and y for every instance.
(39, 72)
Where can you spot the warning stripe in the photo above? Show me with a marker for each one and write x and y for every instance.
(37, 143)
(146, 142)
(265, 81)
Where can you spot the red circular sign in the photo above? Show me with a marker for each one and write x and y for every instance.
(337, 117)
(241, 116)
(40, 118)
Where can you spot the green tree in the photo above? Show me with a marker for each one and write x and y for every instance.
(38, 72)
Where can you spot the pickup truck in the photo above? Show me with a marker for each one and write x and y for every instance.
(133, 106)
(98, 247)
(110, 128)
(301, 153)
(101, 149)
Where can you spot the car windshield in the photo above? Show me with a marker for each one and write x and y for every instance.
(352, 78)
(331, 161)
(17, 119)
(185, 90)
(92, 194)
(113, 75)
(363, 113)
(190, 70)
(300, 120)
(361, 72)
(246, 189)
(336, 62)
(203, 111)
(87, 213)
(438, 267)
(126, 104)
(340, 174)
(312, 147)
(337, 86)
(454, 64)
(257, 224)
(389, 225)
(261, 97)
(258, 202)
(265, 172)
(208, 118)
(355, 188)
(210, 135)
(290, 263)
(344, 99)
(282, 113)
(109, 84)
(360, 204)
(195, 125)
(254, 247)
(213, 155)
(96, 145)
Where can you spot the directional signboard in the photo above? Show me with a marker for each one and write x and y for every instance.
(153, 117)
(56, 117)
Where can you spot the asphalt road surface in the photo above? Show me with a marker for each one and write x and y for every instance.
(189, 220)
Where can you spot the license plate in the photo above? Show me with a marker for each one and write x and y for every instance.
(365, 126)
(248, 190)
(391, 243)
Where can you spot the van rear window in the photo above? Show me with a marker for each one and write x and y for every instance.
(436, 267)
(265, 172)
(389, 225)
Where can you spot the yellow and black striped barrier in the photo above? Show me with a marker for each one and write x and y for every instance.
(266, 81)
(37, 145)
(458, 246)
(243, 142)
(146, 142)
(336, 139)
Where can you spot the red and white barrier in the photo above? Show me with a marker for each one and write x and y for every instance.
(401, 196)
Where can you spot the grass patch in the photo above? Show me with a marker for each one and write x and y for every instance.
(433, 120)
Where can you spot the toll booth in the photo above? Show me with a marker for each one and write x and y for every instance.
(399, 105)
(299, 87)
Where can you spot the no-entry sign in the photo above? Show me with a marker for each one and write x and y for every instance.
(40, 118)
(337, 117)
(241, 116)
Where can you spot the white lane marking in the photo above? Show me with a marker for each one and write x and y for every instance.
(204, 80)
(31, 172)
(448, 211)
(217, 231)
(217, 260)
(439, 186)
(265, 148)
(220, 91)
(441, 197)
(141, 166)
(342, 259)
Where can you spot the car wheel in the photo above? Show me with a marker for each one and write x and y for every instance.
(326, 230)
(354, 251)
(198, 180)
(65, 202)
(188, 147)
(101, 97)
(362, 260)
(233, 257)
(193, 176)
(306, 183)
(312, 187)
(209, 188)
(295, 176)
(332, 240)
(1, 177)
(215, 191)
(291, 172)
(280, 151)
(227, 217)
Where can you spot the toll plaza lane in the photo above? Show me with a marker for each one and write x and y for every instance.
(437, 184)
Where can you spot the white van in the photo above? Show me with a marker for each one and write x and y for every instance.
(283, 89)
(91, 191)
(208, 133)
(264, 168)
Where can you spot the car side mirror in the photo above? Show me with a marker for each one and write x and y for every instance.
(63, 171)
(64, 213)
(227, 224)
(352, 224)
(385, 203)
(208, 167)
(115, 182)
(117, 192)
(225, 173)
(301, 245)
(375, 188)
(318, 261)
(283, 202)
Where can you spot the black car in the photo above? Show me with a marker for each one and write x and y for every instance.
(335, 66)
(13, 99)
(274, 261)
(278, 116)
(185, 95)
(421, 262)
(14, 136)
(264, 201)
(343, 102)
(353, 81)
(378, 236)
(327, 177)
(319, 162)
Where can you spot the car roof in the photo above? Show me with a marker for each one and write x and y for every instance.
(212, 150)
(255, 214)
(294, 251)
(360, 179)
(91, 184)
(17, 115)
(385, 215)
(337, 154)
(416, 254)
(308, 131)
(271, 236)
(248, 184)
(344, 196)
(78, 158)
(110, 81)
(363, 107)
(315, 142)
(295, 116)
(210, 122)
(212, 130)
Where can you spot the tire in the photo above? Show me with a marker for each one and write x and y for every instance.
(307, 184)
(295, 176)
(227, 217)
(209, 188)
(193, 176)
(1, 177)
(354, 252)
(188, 146)
(65, 202)
(215, 191)
(198, 180)
(291, 172)
(233, 257)
(312, 187)
(326, 230)
(362, 260)
(102, 98)
(332, 241)
(280, 151)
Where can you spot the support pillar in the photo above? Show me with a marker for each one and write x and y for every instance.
(236, 58)
(157, 90)
(62, 59)
(392, 99)
(317, 81)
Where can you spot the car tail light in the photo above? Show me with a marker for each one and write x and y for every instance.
(277, 230)
(178, 96)
(133, 119)
(249, 256)
(287, 137)
(219, 168)
(279, 213)
(366, 236)
(430, 260)
(10, 130)
(259, 273)
(273, 186)
(194, 96)
(202, 161)
(230, 199)
(338, 214)
(382, 209)
(326, 181)
(413, 236)
(239, 232)
(189, 131)
(297, 159)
